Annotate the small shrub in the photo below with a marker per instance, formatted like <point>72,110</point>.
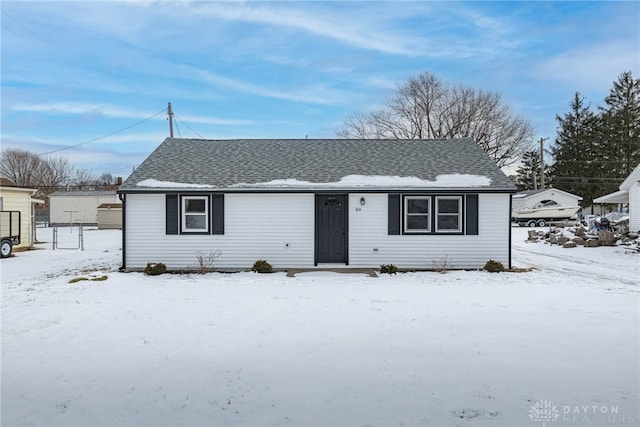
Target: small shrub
<point>494,266</point>
<point>206,261</point>
<point>155,269</point>
<point>262,266</point>
<point>388,269</point>
<point>442,266</point>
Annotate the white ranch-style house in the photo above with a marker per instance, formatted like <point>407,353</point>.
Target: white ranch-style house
<point>314,203</point>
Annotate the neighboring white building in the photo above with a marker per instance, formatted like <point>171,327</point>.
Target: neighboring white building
<point>628,193</point>
<point>78,207</point>
<point>528,199</point>
<point>21,200</point>
<point>418,204</point>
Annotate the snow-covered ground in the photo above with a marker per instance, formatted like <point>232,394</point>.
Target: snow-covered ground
<point>466,348</point>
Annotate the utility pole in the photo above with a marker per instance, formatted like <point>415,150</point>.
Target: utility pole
<point>170,113</point>
<point>542,140</point>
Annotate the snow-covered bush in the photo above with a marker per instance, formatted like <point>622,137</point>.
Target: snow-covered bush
<point>388,269</point>
<point>155,268</point>
<point>494,266</point>
<point>262,266</point>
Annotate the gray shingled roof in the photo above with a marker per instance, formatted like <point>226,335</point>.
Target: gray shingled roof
<point>225,163</point>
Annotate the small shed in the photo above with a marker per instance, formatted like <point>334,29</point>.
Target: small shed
<point>528,199</point>
<point>20,199</point>
<point>110,216</point>
<point>75,207</point>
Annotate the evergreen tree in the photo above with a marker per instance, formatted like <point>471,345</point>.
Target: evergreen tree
<point>528,173</point>
<point>620,128</point>
<point>578,168</point>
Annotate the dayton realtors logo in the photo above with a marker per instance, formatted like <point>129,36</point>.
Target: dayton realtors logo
<point>545,411</point>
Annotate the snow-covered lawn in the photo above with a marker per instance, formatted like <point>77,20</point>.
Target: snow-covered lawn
<point>466,348</point>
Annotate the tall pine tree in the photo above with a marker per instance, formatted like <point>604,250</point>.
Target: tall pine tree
<point>577,167</point>
<point>620,127</point>
<point>528,173</point>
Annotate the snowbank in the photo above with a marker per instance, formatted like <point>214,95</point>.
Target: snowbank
<point>464,348</point>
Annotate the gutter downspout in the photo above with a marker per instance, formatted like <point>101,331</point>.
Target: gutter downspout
<point>123,199</point>
<point>510,228</point>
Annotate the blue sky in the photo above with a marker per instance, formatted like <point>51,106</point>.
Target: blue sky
<point>75,71</point>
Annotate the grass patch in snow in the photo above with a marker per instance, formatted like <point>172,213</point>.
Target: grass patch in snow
<point>91,277</point>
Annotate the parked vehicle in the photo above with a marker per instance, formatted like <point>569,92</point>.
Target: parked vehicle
<point>9,232</point>
<point>545,212</point>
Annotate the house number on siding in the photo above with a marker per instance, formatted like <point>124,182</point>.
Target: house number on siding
<point>358,209</point>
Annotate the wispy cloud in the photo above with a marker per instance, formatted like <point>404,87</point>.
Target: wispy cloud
<point>118,112</point>
<point>331,26</point>
<point>589,67</point>
<point>314,94</point>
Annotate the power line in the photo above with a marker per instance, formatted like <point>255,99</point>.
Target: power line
<point>184,123</point>
<point>104,136</point>
<point>618,162</point>
<point>178,129</point>
<point>14,33</point>
<point>4,12</point>
<point>585,178</point>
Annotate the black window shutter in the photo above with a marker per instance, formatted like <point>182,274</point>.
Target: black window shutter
<point>472,214</point>
<point>394,214</point>
<point>217,210</point>
<point>172,214</point>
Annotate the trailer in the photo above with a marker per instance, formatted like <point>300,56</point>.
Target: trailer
<point>9,232</point>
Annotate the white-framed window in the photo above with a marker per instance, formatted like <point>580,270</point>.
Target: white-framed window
<point>417,214</point>
<point>448,214</point>
<point>195,214</point>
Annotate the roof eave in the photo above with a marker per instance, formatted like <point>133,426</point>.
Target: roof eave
<point>316,190</point>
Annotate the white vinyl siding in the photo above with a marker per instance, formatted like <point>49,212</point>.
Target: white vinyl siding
<point>276,227</point>
<point>371,246</point>
<point>281,229</point>
<point>634,207</point>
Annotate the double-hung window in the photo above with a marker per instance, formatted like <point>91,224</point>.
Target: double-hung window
<point>195,214</point>
<point>432,214</point>
<point>448,214</point>
<point>417,214</point>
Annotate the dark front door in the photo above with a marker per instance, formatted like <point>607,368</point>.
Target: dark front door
<point>331,229</point>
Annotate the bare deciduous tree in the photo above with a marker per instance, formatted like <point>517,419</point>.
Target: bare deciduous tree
<point>83,179</point>
<point>425,107</point>
<point>27,169</point>
<point>19,166</point>
<point>106,179</point>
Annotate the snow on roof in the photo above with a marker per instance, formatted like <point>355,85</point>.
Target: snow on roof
<point>442,181</point>
<point>168,184</point>
<point>452,180</point>
<point>621,196</point>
